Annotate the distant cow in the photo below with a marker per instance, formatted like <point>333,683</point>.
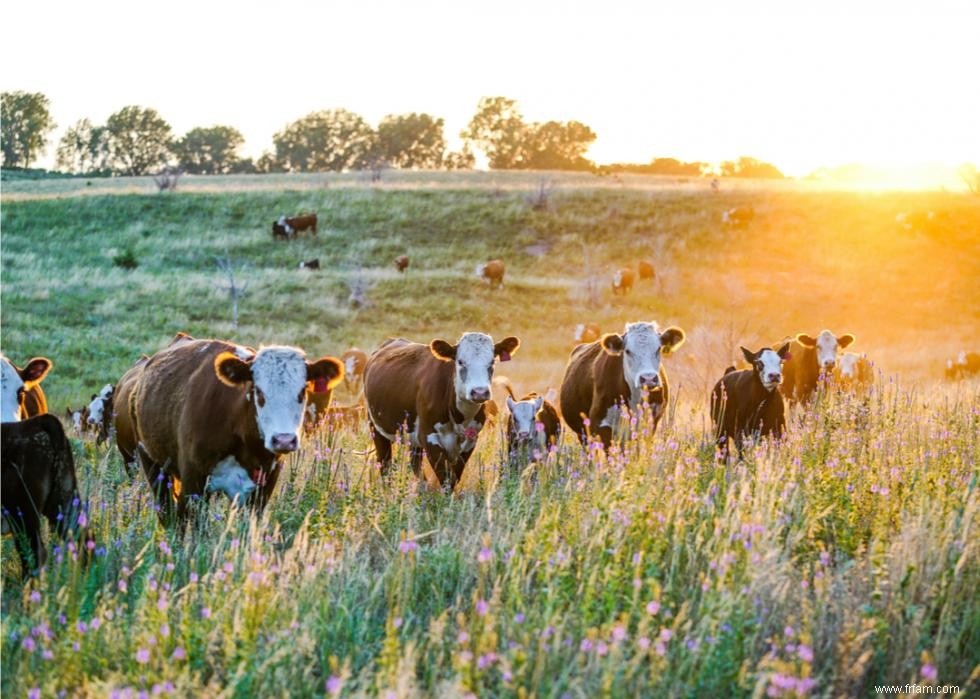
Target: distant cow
<point>533,427</point>
<point>747,403</point>
<point>587,332</point>
<point>493,272</point>
<point>738,216</point>
<point>401,263</point>
<point>623,281</point>
<point>38,480</point>
<point>966,364</point>
<point>21,396</point>
<point>310,264</point>
<point>99,413</point>
<point>617,371</point>
<point>646,269</point>
<point>78,419</point>
<point>438,392</point>
<point>287,227</point>
<point>811,359</point>
<point>217,418</point>
<point>354,361</point>
<point>854,371</point>
<point>319,395</point>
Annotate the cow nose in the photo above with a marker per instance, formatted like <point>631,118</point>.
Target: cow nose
<point>480,394</point>
<point>829,364</point>
<point>650,380</point>
<point>523,435</point>
<point>775,378</point>
<point>284,442</point>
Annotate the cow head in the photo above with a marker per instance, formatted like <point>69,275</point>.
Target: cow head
<point>474,356</point>
<point>641,348</point>
<point>849,366</point>
<point>14,383</point>
<point>768,365</point>
<point>826,345</point>
<point>100,406</point>
<point>524,413</point>
<point>277,379</point>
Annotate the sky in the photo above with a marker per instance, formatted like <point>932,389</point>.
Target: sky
<point>801,85</point>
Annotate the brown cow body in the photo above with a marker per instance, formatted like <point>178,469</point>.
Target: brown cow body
<point>966,364</point>
<point>646,269</point>
<point>811,360</point>
<point>289,227</point>
<point>493,272</point>
<point>623,281</point>
<point>401,263</point>
<point>738,216</point>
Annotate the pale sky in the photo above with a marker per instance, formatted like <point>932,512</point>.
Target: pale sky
<point>801,85</point>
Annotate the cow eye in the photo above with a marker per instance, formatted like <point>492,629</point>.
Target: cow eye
<point>259,397</point>
<point>461,363</point>
<point>629,353</point>
<point>301,396</point>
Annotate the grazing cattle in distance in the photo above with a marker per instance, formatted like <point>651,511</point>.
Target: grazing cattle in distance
<point>646,269</point>
<point>811,358</point>
<point>401,263</point>
<point>354,361</point>
<point>21,396</point>
<point>623,281</point>
<point>587,332</point>
<point>438,392</point>
<point>493,272</point>
<point>738,216</point>
<point>78,419</point>
<point>617,371</point>
<point>217,417</point>
<point>966,364</point>
<point>287,227</point>
<point>99,413</point>
<point>533,427</point>
<point>854,371</point>
<point>747,403</point>
<point>38,479</point>
<point>310,264</point>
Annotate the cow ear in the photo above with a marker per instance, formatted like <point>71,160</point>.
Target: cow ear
<point>326,369</point>
<point>506,347</point>
<point>443,350</point>
<point>845,340</point>
<point>671,339</point>
<point>231,370</point>
<point>612,343</point>
<point>510,404</point>
<point>36,370</point>
<point>748,354</point>
<point>806,340</point>
<point>538,402</point>
<point>783,351</point>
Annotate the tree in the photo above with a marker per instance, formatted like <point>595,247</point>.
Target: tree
<point>209,151</point>
<point>411,140</point>
<point>139,140</point>
<point>25,123</point>
<point>84,149</point>
<point>334,139</point>
<point>497,129</point>
<point>462,159</point>
<point>750,167</point>
<point>557,146</point>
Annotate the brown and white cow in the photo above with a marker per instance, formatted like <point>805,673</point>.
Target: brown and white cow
<point>217,418</point>
<point>738,216</point>
<point>533,427</point>
<point>646,269</point>
<point>587,332</point>
<point>622,282</point>
<point>438,392</point>
<point>401,263</point>
<point>748,402</point>
<point>98,413</point>
<point>493,272</point>
<point>812,358</point>
<point>21,396</point>
<point>854,371</point>
<point>289,227</point>
<point>354,361</point>
<point>311,265</point>
<point>618,371</point>
<point>966,364</point>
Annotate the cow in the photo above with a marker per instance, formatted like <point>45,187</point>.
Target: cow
<point>287,227</point>
<point>99,413</point>
<point>811,359</point>
<point>623,281</point>
<point>738,216</point>
<point>318,398</point>
<point>313,264</point>
<point>747,402</point>
<point>493,272</point>
<point>401,263</point>
<point>354,361</point>
<point>646,269</point>
<point>218,417</point>
<point>78,419</point>
<point>38,480</point>
<point>853,371</point>
<point>21,396</point>
<point>438,392</point>
<point>587,332</point>
<point>533,427</point>
<point>966,364</point>
<point>615,372</point>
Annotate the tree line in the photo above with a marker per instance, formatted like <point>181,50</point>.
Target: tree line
<point>138,141</point>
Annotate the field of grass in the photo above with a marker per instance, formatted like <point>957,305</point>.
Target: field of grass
<point>843,558</point>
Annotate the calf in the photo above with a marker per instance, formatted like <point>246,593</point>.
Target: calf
<point>617,371</point>
<point>623,281</point>
<point>493,272</point>
<point>738,216</point>
<point>310,264</point>
<point>99,413</point>
<point>587,332</point>
<point>646,270</point>
<point>78,419</point>
<point>287,227</point>
<point>401,263</point>
<point>21,396</point>
<point>216,417</point>
<point>746,403</point>
<point>38,480</point>
<point>438,392</point>
<point>354,361</point>
<point>533,427</point>
<point>966,364</point>
<point>854,371</point>
<point>811,359</point>
<point>319,394</point>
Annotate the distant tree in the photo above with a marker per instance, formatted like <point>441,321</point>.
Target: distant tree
<point>750,167</point>
<point>462,159</point>
<point>411,140</point>
<point>209,151</point>
<point>661,166</point>
<point>557,146</point>
<point>334,139</point>
<point>84,149</point>
<point>268,163</point>
<point>498,130</point>
<point>25,123</point>
<point>139,140</point>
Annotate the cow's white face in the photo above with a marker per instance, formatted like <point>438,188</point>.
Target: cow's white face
<point>474,356</point>
<point>642,346</point>
<point>12,387</point>
<point>849,365</point>
<point>769,366</point>
<point>579,332</point>
<point>97,408</point>
<point>525,416</point>
<point>961,358</point>
<point>618,279</point>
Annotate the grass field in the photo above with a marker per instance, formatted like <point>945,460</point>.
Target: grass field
<point>845,557</point>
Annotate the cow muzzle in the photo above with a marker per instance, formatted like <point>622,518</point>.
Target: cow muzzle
<point>284,442</point>
<point>651,381</point>
<point>480,395</point>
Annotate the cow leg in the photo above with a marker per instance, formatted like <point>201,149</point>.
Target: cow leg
<point>28,542</point>
<point>268,484</point>
<point>440,465</point>
<point>382,448</point>
<point>156,478</point>
<point>416,462</point>
<point>191,488</point>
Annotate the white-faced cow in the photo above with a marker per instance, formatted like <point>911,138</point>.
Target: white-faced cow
<point>99,413</point>
<point>811,359</point>
<point>747,403</point>
<point>738,216</point>
<point>619,371</point>
<point>288,227</point>
<point>587,332</point>
<point>623,280</point>
<point>533,427</point>
<point>217,418</point>
<point>854,371</point>
<point>493,272</point>
<point>21,396</point>
<point>401,263</point>
<point>966,364</point>
<point>437,393</point>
